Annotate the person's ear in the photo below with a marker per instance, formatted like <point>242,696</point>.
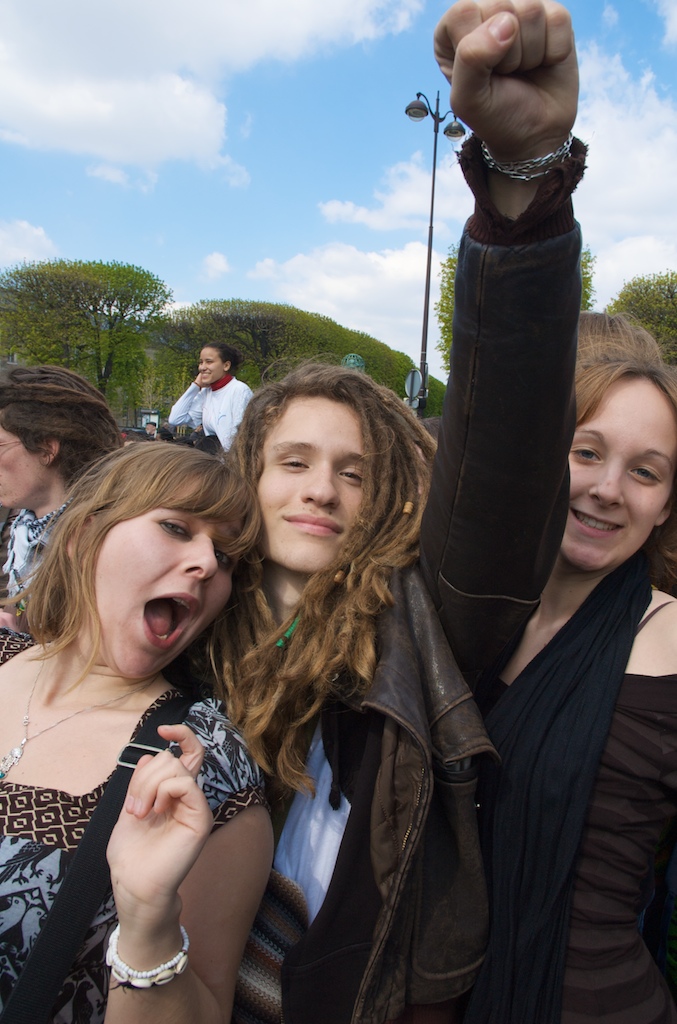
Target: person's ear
<point>50,450</point>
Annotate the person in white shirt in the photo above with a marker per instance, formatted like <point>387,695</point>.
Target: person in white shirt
<point>216,400</point>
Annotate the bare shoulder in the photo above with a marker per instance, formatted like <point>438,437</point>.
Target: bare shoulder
<point>654,652</point>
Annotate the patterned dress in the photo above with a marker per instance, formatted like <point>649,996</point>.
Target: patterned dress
<point>39,831</point>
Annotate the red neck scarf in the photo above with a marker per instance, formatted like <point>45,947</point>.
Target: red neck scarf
<point>221,382</point>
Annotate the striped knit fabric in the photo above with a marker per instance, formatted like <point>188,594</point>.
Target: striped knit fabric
<point>281,921</point>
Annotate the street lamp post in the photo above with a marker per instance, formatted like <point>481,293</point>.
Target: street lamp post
<point>417,110</point>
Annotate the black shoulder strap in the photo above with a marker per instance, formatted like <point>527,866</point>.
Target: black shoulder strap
<point>83,888</point>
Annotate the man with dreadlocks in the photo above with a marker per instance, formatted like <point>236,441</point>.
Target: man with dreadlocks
<point>336,661</point>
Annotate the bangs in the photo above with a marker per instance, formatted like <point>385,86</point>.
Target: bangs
<point>221,496</point>
<point>140,478</point>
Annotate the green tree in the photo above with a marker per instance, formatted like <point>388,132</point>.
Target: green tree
<point>444,307</point>
<point>588,262</point>
<point>97,318</point>
<point>652,301</point>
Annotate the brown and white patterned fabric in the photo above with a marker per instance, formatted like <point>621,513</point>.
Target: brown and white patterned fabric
<point>40,828</point>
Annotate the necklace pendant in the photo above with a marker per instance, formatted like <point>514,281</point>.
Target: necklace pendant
<point>9,760</point>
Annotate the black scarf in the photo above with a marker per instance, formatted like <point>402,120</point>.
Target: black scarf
<point>550,728</point>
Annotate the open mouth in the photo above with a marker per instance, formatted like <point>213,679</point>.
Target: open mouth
<point>165,617</point>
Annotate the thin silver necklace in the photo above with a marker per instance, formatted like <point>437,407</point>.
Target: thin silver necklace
<point>14,756</point>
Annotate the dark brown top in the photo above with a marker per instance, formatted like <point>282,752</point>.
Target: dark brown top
<point>610,974</point>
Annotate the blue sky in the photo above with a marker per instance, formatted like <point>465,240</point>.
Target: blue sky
<point>259,148</point>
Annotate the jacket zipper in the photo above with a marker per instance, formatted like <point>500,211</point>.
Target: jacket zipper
<point>416,803</point>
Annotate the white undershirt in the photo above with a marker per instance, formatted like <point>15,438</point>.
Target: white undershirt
<point>312,833</point>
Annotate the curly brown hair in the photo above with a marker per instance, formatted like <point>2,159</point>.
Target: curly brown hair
<point>274,685</point>
<point>50,403</point>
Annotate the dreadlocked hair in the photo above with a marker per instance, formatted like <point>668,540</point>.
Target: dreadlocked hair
<point>50,403</point>
<point>275,678</point>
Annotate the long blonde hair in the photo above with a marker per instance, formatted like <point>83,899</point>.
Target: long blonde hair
<point>274,684</point>
<point>121,486</point>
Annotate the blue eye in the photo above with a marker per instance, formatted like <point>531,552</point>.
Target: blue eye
<point>645,473</point>
<point>584,453</point>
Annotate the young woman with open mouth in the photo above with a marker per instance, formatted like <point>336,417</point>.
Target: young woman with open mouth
<point>139,567</point>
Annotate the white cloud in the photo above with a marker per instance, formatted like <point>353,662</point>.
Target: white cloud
<point>403,200</point>
<point>106,172</point>
<point>610,16</point>
<point>136,83</point>
<point>145,181</point>
<point>668,10</point>
<point>626,201</point>
<point>246,126</point>
<point>380,293</point>
<point>215,265</point>
<point>143,121</point>
<point>21,241</point>
<point>235,174</point>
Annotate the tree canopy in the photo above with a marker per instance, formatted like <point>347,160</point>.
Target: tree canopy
<point>444,307</point>
<point>96,318</point>
<point>652,300</point>
<point>274,337</point>
<point>110,322</point>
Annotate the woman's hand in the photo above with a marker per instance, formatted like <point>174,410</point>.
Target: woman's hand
<point>160,832</point>
<point>513,73</point>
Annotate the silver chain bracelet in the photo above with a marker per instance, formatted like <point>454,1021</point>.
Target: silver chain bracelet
<point>527,170</point>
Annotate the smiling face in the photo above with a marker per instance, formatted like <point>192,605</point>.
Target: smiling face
<point>160,579</point>
<point>622,465</point>
<point>310,489</point>
<point>211,367</point>
<point>27,480</point>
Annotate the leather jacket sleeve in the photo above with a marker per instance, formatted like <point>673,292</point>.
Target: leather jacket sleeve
<point>499,496</point>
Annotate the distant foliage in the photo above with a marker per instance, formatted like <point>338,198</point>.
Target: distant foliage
<point>444,308</point>
<point>273,338</point>
<point>652,300</point>
<point>109,321</point>
<point>587,278</point>
<point>96,318</point>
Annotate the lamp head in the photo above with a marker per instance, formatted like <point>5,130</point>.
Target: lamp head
<point>417,110</point>
<point>454,130</point>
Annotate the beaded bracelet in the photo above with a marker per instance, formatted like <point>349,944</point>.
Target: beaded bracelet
<point>166,972</point>
<point>527,170</point>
